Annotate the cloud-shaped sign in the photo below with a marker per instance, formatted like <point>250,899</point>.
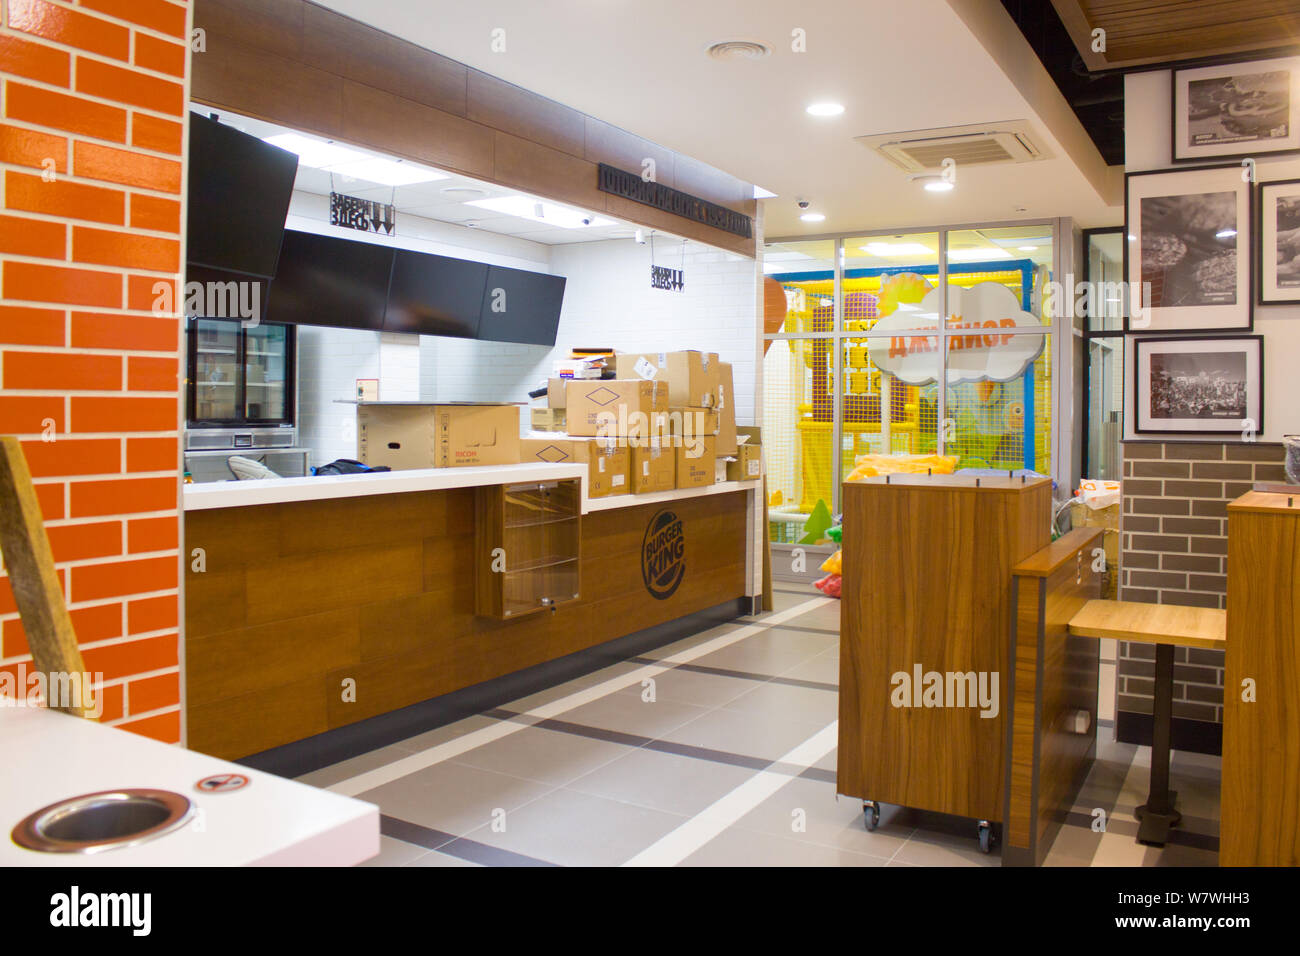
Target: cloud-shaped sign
<point>979,346</point>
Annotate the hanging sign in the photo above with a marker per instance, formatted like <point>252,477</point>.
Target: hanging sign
<point>979,348</point>
<point>649,193</point>
<point>363,214</point>
<point>661,277</point>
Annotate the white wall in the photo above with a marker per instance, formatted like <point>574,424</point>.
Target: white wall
<point>1147,146</point>
<point>329,363</point>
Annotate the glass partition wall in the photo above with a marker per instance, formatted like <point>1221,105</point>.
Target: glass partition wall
<point>862,366</point>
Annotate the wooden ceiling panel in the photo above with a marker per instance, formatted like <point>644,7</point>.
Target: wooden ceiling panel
<point>1143,33</point>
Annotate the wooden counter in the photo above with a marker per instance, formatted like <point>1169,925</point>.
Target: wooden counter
<point>300,597</point>
<point>1260,789</point>
<point>927,582</point>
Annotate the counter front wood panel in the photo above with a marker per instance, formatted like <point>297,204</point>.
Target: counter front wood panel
<point>297,598</point>
<point>1260,788</point>
<point>927,581</point>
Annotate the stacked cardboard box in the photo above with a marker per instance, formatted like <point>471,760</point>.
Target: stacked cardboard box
<point>624,408</point>
<point>608,461</point>
<point>405,435</point>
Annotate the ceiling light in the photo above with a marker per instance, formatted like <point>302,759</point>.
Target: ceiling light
<point>938,186</point>
<point>812,217</point>
<point>886,249</point>
<point>386,172</point>
<point>1026,248</point>
<point>525,207</point>
<point>463,193</point>
<point>978,255</point>
<point>737,50</point>
<point>1225,233</point>
<point>825,109</point>
<point>314,152</point>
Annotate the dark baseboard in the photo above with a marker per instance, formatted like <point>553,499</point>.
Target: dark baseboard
<point>312,753</point>
<point>1191,736</point>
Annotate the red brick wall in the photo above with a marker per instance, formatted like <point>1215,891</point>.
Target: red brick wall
<point>91,136</point>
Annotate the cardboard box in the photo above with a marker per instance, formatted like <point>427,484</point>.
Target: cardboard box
<point>695,462</point>
<point>556,389</point>
<point>627,408</point>
<point>608,463</point>
<point>726,411</point>
<point>692,376</point>
<point>654,467</point>
<point>548,419</point>
<point>748,463</point>
<point>417,435</point>
<point>692,421</point>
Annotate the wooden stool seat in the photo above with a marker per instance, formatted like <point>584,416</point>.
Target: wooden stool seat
<point>1167,626</point>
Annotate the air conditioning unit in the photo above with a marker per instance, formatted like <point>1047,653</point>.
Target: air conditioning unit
<point>924,150</point>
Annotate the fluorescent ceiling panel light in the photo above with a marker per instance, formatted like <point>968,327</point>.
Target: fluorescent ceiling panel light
<point>1027,248</point>
<point>813,217</point>
<point>886,249</point>
<point>314,152</point>
<point>386,172</point>
<point>525,207</point>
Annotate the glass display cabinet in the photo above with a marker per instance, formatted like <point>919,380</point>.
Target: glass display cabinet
<point>528,547</point>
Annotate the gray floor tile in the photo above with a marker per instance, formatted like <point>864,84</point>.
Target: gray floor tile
<point>668,782</point>
<point>547,756</point>
<point>394,853</point>
<point>344,769</point>
<point>692,687</point>
<point>767,735</point>
<point>772,651</point>
<point>441,735</point>
<point>560,691</point>
<point>629,714</point>
<point>825,667</point>
<point>577,829</point>
<point>453,797</point>
<point>797,703</point>
<point>813,806</point>
<point>695,640</point>
<point>742,848</point>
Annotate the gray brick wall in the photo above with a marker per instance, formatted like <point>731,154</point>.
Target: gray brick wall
<point>1174,550</point>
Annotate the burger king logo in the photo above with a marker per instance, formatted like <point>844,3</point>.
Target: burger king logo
<point>663,555</point>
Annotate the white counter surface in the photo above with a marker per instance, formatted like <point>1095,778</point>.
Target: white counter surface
<point>50,756</point>
<point>272,491</point>
<point>269,491</point>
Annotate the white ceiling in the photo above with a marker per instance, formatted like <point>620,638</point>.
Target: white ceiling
<point>895,65</point>
<point>428,199</point>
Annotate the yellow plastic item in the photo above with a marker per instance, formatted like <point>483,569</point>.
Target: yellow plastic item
<point>869,466</point>
<point>832,565</point>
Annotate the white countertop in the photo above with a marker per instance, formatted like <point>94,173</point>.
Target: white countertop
<point>270,491</point>
<point>50,756</point>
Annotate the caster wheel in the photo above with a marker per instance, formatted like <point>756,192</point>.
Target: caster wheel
<point>986,836</point>
<point>871,814</point>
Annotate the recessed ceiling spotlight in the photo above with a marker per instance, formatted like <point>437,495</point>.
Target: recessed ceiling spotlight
<point>738,50</point>
<point>825,109</point>
<point>813,217</point>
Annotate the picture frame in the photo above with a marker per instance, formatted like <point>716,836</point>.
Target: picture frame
<point>1235,110</point>
<point>1277,243</point>
<point>1198,386</point>
<point>1187,254</point>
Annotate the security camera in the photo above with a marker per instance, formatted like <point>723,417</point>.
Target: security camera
<point>804,204</point>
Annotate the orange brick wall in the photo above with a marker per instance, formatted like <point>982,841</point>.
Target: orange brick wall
<point>91,138</point>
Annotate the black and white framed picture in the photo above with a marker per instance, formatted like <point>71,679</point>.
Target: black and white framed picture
<point>1201,386</point>
<point>1187,255</point>
<point>1277,243</point>
<point>1236,109</point>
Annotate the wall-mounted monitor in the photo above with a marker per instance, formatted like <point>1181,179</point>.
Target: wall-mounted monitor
<point>435,295</point>
<point>323,280</point>
<point>239,191</point>
<point>521,306</point>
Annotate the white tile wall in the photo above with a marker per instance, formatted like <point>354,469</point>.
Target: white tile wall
<point>329,363</point>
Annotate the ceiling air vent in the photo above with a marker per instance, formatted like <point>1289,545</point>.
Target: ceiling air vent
<point>738,50</point>
<point>988,143</point>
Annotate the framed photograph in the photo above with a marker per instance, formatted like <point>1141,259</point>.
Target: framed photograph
<point>1187,259</point>
<point>1200,386</point>
<point>1277,243</point>
<point>1236,109</point>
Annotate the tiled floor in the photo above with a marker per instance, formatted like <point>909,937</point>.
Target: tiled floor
<point>717,750</point>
